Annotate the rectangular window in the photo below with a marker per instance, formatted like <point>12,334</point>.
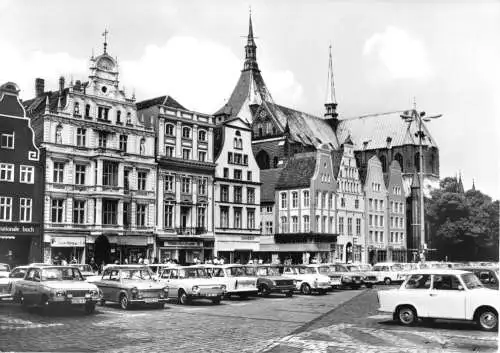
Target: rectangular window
<point>295,224</point>
<point>57,210</point>
<point>238,194</point>
<point>330,201</point>
<point>251,195</point>
<point>250,219</point>
<point>202,186</point>
<point>349,226</point>
<point>142,177</point>
<point>324,224</point>
<point>123,143</point>
<point>237,158</point>
<point>245,159</point>
<point>230,157</point>
<point>283,225</point>
<point>332,224</point>
<point>81,134</point>
<point>400,208</point>
<point>25,206</point>
<point>376,204</point>
<point>370,220</point>
<point>371,236</point>
<point>381,237</point>
<point>186,153</point>
<point>381,221</point>
<point>237,174</point>
<point>358,226</point>
<point>58,172</point>
<point>392,206</point>
<point>109,173</point>
<point>295,199</point>
<point>126,215</point>
<point>201,217</point>
<point>370,204</point>
<point>6,172</point>
<point>202,156</point>
<point>356,204</point>
<point>342,202</point>
<point>109,212</point>
<point>5,208</point>
<point>169,183</point>
<point>169,151</point>
<point>80,174</point>
<point>306,198</point>
<point>323,200</point>
<point>376,221</point>
<point>381,205</point>
<point>7,141</point>
<point>307,226</point>
<point>185,185</point>
<point>103,139</point>
<point>27,174</point>
<point>237,218</point>
<point>126,183</point>
<point>78,211</point>
<point>341,225</point>
<point>224,217</point>
<point>283,200</point>
<point>140,218</point>
<point>249,176</point>
<point>169,216</point>
<point>224,193</point>
<point>226,173</point>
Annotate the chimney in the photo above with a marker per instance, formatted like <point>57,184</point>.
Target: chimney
<point>78,85</point>
<point>39,86</point>
<point>61,85</point>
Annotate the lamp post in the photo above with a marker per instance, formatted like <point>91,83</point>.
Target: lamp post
<point>418,118</point>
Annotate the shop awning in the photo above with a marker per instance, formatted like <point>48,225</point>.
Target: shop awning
<point>295,247</point>
<point>250,245</point>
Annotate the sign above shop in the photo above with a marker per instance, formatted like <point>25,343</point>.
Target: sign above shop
<point>65,242</point>
<point>17,228</point>
<point>183,243</point>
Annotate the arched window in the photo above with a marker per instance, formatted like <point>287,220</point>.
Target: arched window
<point>202,135</point>
<point>76,108</point>
<point>118,116</point>
<point>129,118</point>
<point>399,159</point>
<point>142,146</point>
<point>417,162</point>
<point>87,110</point>
<point>169,130</point>
<point>383,161</point>
<point>263,160</point>
<point>59,129</point>
<point>186,132</point>
<point>238,133</point>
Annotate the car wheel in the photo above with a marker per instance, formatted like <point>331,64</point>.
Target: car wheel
<point>406,315</point>
<point>216,301</point>
<point>89,308</point>
<point>488,320</point>
<point>387,281</point>
<point>305,289</point>
<point>264,290</point>
<point>289,294</point>
<point>124,303</point>
<point>183,298</point>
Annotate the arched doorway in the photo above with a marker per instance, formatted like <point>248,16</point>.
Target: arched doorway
<point>263,160</point>
<point>348,253</point>
<point>102,250</point>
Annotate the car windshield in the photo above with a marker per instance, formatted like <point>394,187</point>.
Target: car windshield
<point>306,270</point>
<point>342,268</point>
<point>235,271</point>
<point>324,269</point>
<point>4,267</point>
<point>192,273</point>
<point>133,274</point>
<point>397,267</point>
<point>61,274</point>
<point>250,271</point>
<point>378,268</point>
<point>354,268</point>
<point>471,281</point>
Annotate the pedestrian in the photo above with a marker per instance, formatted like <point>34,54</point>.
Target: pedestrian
<point>64,262</point>
<point>125,261</point>
<point>93,265</point>
<point>74,261</point>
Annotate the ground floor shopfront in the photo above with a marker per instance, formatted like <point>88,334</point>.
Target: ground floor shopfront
<point>237,248</point>
<point>20,243</point>
<point>389,254</point>
<point>184,250</point>
<point>296,252</point>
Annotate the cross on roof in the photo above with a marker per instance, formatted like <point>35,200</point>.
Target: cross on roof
<point>105,35</point>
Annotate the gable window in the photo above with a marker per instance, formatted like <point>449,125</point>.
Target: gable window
<point>7,141</point>
<point>226,172</point>
<point>123,143</point>
<point>249,176</point>
<point>186,132</point>
<point>25,209</point>
<point>5,208</point>
<point>81,136</point>
<point>237,174</point>
<point>102,113</point>
<point>58,176</point>
<point>169,130</point>
<point>118,116</point>
<point>6,172</point>
<point>76,109</point>
<point>202,135</point>
<point>79,174</point>
<point>26,174</point>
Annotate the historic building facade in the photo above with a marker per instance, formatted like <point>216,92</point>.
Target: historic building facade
<point>21,183</point>
<point>185,183</point>
<point>100,170</point>
<point>237,192</point>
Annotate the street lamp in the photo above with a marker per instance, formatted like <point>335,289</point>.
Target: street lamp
<point>418,118</point>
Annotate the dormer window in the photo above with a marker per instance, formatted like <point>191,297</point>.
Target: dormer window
<point>238,143</point>
<point>186,132</point>
<point>76,109</point>
<point>59,134</point>
<point>169,130</point>
<point>129,118</point>
<point>202,135</point>
<point>142,146</point>
<point>118,116</point>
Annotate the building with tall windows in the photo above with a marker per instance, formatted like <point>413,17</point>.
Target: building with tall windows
<point>100,169</point>
<point>185,180</point>
<point>237,192</point>
<point>21,183</point>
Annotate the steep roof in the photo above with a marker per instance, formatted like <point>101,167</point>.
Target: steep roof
<point>376,128</point>
<point>304,128</point>
<point>298,171</point>
<point>37,105</point>
<point>269,179</point>
<point>336,161</point>
<point>163,100</point>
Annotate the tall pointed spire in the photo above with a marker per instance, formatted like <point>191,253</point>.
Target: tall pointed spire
<point>331,100</point>
<point>250,49</point>
<point>473,185</point>
<point>460,186</point>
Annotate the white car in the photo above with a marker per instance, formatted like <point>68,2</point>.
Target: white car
<point>234,277</point>
<point>8,284</point>
<point>442,294</point>
<point>326,270</point>
<point>307,279</point>
<point>387,272</point>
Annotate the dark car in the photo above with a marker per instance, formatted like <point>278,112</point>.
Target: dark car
<point>487,275</point>
<point>270,280</point>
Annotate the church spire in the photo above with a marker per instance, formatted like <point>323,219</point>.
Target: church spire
<point>250,49</point>
<point>473,185</point>
<point>460,186</point>
<point>331,101</point>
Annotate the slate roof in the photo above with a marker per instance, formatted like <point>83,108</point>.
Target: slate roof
<point>37,105</point>
<point>336,160</point>
<point>269,179</point>
<point>376,128</point>
<point>163,100</point>
<point>304,128</point>
<point>298,171</point>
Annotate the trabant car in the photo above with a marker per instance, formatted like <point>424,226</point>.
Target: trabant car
<point>387,272</point>
<point>353,280</point>
<point>129,285</point>
<point>487,275</point>
<point>49,286</point>
<point>362,269</point>
<point>307,279</point>
<point>187,283</point>
<point>234,277</point>
<point>442,294</point>
<point>270,280</point>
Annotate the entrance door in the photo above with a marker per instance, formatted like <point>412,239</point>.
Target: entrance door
<point>102,250</point>
<point>182,256</point>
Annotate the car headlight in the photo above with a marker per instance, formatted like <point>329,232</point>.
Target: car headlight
<point>195,289</point>
<point>60,293</point>
<point>273,283</point>
<point>165,290</point>
<point>94,293</point>
<point>347,278</point>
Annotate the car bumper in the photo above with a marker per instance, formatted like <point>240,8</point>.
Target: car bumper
<point>321,287</point>
<point>250,291</point>
<point>206,295</point>
<point>73,301</point>
<point>282,289</point>
<point>148,301</point>
<point>6,297</point>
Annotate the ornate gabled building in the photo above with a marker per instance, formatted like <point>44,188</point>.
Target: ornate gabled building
<point>186,171</point>
<point>100,169</point>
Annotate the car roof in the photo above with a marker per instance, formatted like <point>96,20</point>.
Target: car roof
<point>438,271</point>
<point>123,267</point>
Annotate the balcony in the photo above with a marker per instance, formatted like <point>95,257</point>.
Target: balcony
<point>191,231</point>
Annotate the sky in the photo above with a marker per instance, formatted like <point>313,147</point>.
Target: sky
<point>443,55</point>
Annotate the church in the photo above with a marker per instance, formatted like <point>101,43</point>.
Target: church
<point>386,141</point>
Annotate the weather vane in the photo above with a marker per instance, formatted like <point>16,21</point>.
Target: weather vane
<point>105,35</point>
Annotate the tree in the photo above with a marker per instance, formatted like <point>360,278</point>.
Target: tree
<point>463,226</point>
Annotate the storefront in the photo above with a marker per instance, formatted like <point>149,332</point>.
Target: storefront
<point>237,248</point>
<point>64,247</point>
<point>296,253</point>
<point>398,255</point>
<point>20,243</point>
<point>183,251</point>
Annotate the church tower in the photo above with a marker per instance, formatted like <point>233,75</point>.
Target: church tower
<point>331,101</point>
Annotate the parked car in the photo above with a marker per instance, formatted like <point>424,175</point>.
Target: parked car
<point>234,277</point>
<point>157,269</point>
<point>270,280</point>
<point>4,270</point>
<point>8,284</point>
<point>85,270</point>
<point>129,285</point>
<point>353,280</point>
<point>327,270</point>
<point>487,275</point>
<point>307,279</point>
<point>387,272</point>
<point>442,294</point>
<point>48,286</point>
<point>190,283</point>
<point>363,269</point>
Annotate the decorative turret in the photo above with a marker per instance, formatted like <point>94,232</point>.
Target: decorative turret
<point>331,101</point>
<point>460,185</point>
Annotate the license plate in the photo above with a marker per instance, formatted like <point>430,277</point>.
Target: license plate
<point>78,301</point>
<point>211,295</point>
<point>151,300</point>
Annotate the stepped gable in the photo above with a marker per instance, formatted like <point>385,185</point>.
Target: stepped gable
<point>269,178</point>
<point>376,128</point>
<point>298,171</point>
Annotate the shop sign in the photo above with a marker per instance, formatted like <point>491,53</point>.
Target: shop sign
<point>65,242</point>
<point>183,243</point>
<point>248,237</point>
<point>17,229</point>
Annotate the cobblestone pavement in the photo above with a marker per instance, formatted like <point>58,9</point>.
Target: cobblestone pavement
<point>356,326</point>
<point>234,325</point>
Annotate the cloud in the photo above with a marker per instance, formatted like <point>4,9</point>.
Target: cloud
<point>284,87</point>
<point>401,55</point>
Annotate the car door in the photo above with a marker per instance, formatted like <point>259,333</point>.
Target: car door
<point>447,298</point>
<point>416,292</point>
<point>173,283</point>
<point>26,285</point>
<point>105,285</point>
